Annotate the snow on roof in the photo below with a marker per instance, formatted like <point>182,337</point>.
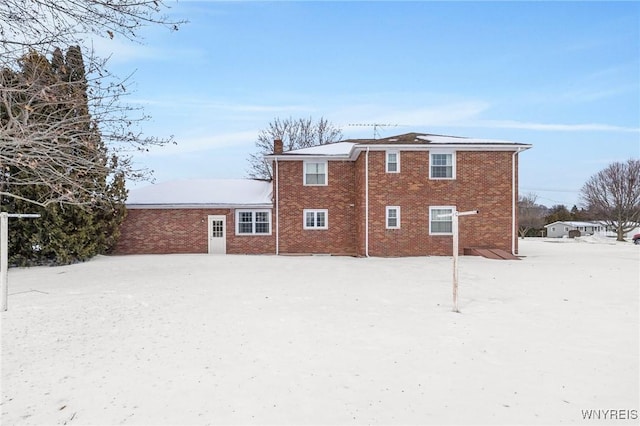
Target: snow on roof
<point>219,192</point>
<point>574,223</point>
<point>459,140</point>
<point>346,147</point>
<point>336,148</point>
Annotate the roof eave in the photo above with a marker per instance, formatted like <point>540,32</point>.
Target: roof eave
<point>298,157</point>
<point>517,147</point>
<point>358,148</point>
<point>173,206</point>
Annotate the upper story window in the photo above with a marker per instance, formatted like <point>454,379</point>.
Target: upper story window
<point>253,222</point>
<point>315,219</point>
<point>393,217</point>
<point>315,172</point>
<point>442,165</point>
<point>441,220</point>
<point>393,162</point>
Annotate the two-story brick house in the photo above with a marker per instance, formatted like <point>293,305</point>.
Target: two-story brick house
<point>389,197</point>
<point>363,197</point>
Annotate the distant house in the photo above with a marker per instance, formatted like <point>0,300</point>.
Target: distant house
<point>561,229</point>
<point>364,197</point>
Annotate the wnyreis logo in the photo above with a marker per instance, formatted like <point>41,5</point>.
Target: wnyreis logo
<point>609,414</point>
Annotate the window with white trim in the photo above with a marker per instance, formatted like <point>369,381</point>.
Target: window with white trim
<point>315,172</point>
<point>442,165</point>
<point>439,222</point>
<point>393,217</point>
<point>253,222</point>
<point>315,219</point>
<point>393,161</point>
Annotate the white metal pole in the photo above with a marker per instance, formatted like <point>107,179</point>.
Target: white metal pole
<point>455,233</point>
<point>454,226</point>
<point>4,258</point>
<point>4,253</point>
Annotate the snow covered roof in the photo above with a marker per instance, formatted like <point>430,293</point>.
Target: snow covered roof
<point>427,138</point>
<point>336,148</point>
<point>411,141</point>
<point>573,223</point>
<point>202,193</point>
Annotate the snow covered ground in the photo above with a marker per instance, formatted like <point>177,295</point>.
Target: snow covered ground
<point>198,339</point>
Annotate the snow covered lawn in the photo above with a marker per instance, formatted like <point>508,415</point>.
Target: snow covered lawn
<point>198,339</point>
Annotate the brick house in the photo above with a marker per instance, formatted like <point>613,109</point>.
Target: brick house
<point>363,197</point>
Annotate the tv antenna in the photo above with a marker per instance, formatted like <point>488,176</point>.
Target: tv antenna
<point>376,127</point>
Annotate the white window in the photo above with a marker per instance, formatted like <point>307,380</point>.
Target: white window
<point>393,162</point>
<point>253,222</point>
<point>315,219</point>
<point>439,222</point>
<point>315,173</point>
<point>393,217</point>
<point>442,165</point>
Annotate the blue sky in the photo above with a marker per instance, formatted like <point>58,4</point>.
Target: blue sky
<point>563,76</point>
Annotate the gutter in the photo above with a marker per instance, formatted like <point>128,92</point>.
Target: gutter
<point>366,204</point>
<point>173,206</point>
<point>277,209</point>
<point>514,201</point>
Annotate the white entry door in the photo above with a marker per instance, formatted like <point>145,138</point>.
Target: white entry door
<point>217,234</point>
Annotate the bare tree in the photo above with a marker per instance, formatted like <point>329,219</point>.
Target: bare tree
<point>33,24</point>
<point>613,195</point>
<point>295,134</point>
<point>40,128</point>
<point>530,214</point>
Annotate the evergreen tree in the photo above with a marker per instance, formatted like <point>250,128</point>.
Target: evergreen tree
<point>65,233</point>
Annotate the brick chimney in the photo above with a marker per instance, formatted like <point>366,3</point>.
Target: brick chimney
<point>277,146</point>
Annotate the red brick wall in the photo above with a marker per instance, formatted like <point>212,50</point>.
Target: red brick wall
<point>161,231</point>
<point>337,197</point>
<point>483,182</point>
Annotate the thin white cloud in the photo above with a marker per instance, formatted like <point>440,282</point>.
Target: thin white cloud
<point>187,104</point>
<point>591,95</point>
<point>435,115</point>
<point>204,140</point>
<point>555,127</point>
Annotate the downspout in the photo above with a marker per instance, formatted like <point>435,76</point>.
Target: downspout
<point>277,209</point>
<point>514,202</point>
<point>366,204</point>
